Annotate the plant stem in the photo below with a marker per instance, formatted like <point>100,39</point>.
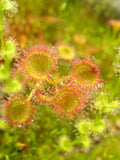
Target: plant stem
<point>38,84</point>
<point>7,61</point>
<point>59,80</point>
<point>1,25</point>
<point>33,91</point>
<point>45,98</point>
<point>7,66</point>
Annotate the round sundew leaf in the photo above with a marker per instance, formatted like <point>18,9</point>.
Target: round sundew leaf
<point>9,50</point>
<point>85,73</point>
<point>84,140</point>
<point>84,127</point>
<point>67,101</point>
<point>99,126</point>
<point>66,52</point>
<point>65,143</point>
<point>18,110</point>
<point>38,63</point>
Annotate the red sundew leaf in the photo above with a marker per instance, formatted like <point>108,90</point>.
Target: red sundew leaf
<point>69,100</point>
<point>39,61</point>
<point>18,111</point>
<point>86,73</point>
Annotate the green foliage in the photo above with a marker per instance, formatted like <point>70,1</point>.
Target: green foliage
<point>3,125</point>
<point>106,105</point>
<point>84,127</point>
<point>65,144</point>
<point>8,52</point>
<point>47,138</point>
<point>4,75</point>
<point>7,5</point>
<point>98,126</point>
<point>12,87</point>
<point>84,140</point>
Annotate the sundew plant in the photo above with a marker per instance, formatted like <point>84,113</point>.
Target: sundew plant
<point>57,105</point>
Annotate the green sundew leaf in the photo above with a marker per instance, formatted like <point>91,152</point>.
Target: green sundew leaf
<point>9,50</point>
<point>101,104</point>
<point>99,126</point>
<point>3,73</point>
<point>12,87</point>
<point>7,5</point>
<point>84,141</point>
<point>84,127</point>
<point>106,105</point>
<point>65,143</point>
<point>112,106</point>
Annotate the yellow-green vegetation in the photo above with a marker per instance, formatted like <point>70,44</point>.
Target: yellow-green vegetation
<point>66,85</point>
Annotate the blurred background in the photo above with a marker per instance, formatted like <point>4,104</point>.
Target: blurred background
<point>83,24</point>
<point>92,28</point>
